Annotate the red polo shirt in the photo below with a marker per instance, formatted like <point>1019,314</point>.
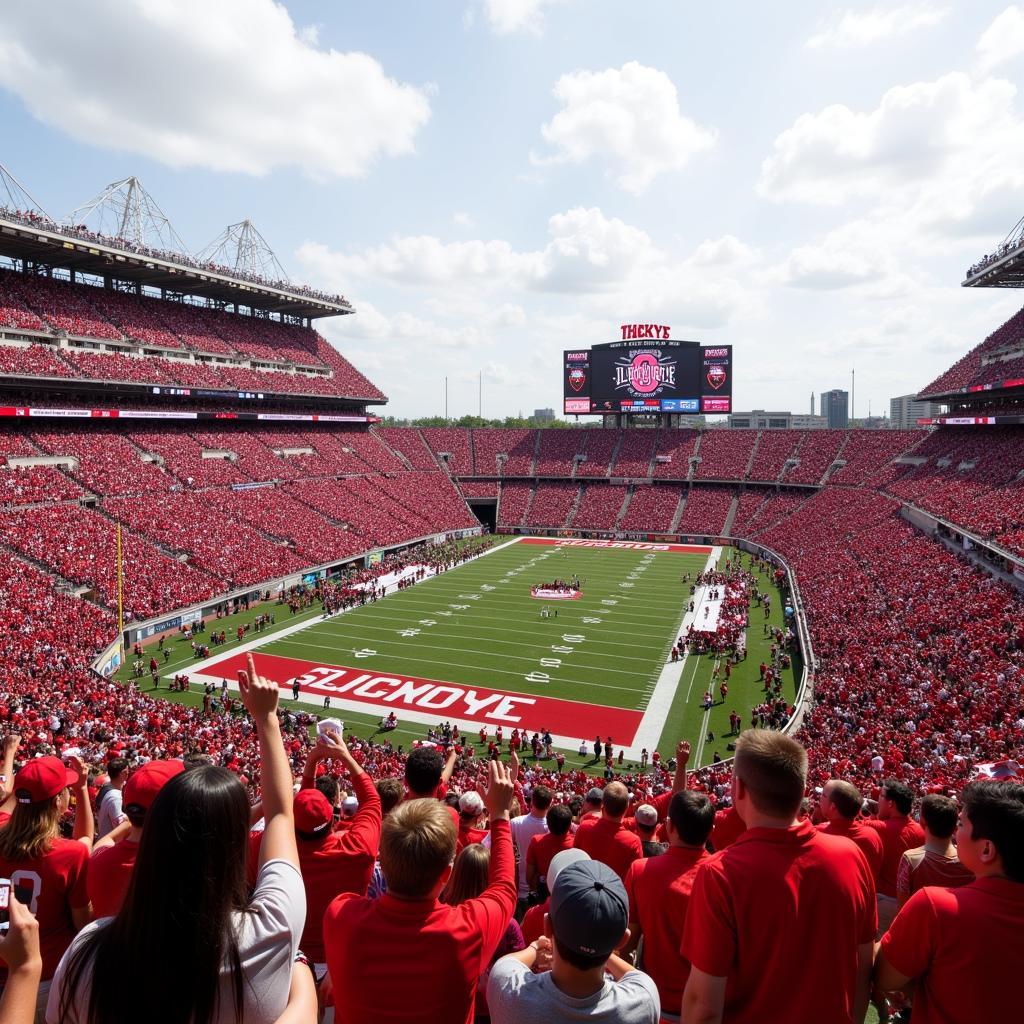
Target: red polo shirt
<point>110,871</point>
<point>393,959</point>
<point>543,847</point>
<point>339,862</point>
<point>608,841</point>
<point>728,827</point>
<point>867,840</point>
<point>965,947</point>
<point>659,894</point>
<point>899,834</point>
<point>779,904</point>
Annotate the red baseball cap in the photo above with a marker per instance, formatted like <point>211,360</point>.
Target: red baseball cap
<point>313,813</point>
<point>41,779</point>
<point>143,785</point>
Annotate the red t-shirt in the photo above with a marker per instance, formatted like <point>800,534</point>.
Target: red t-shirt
<point>607,841</point>
<point>543,847</point>
<point>659,894</point>
<point>533,922</point>
<point>965,946</point>
<point>51,885</point>
<point>728,827</point>
<point>780,904</point>
<point>468,836</point>
<point>340,862</point>
<point>867,840</point>
<point>899,834</point>
<point>390,957</point>
<point>110,871</point>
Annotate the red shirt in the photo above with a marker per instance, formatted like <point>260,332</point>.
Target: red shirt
<point>543,847</point>
<point>606,840</point>
<point>899,834</point>
<point>110,871</point>
<point>728,827</point>
<point>965,946</point>
<point>51,885</point>
<point>659,894</point>
<point>339,862</point>
<point>390,957</point>
<point>533,922</point>
<point>468,836</point>
<point>779,904</point>
<point>867,840</point>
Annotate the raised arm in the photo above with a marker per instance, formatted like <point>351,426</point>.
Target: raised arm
<point>682,760</point>
<point>11,743</point>
<point>449,766</point>
<point>19,949</point>
<point>260,697</point>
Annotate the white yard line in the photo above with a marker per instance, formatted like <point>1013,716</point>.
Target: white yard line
<point>664,693</point>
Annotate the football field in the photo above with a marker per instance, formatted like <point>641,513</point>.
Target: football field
<point>472,646</point>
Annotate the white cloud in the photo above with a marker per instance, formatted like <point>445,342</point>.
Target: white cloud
<point>629,116</point>
<point>727,251</point>
<point>864,27</point>
<point>940,151</point>
<point>230,86</point>
<point>508,16</point>
<point>463,219</point>
<point>1002,40</point>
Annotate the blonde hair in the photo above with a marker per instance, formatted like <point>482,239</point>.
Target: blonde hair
<point>615,799</point>
<point>774,768</point>
<point>31,831</point>
<point>417,843</point>
<point>469,876</point>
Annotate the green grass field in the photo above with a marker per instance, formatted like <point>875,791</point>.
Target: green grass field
<point>478,626</point>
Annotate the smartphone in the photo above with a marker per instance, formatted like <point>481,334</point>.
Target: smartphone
<point>331,725</point>
<point>5,904</point>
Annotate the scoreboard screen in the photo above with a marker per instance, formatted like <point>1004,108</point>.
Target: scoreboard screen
<point>648,376</point>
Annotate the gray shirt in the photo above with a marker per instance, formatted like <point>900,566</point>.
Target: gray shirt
<point>110,814</point>
<point>516,994</point>
<point>268,937</point>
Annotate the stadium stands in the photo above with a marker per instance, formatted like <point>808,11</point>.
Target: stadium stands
<point>706,510</point>
<point>817,450</point>
<point>599,507</point>
<point>774,447</point>
<point>600,447</point>
<point>724,454</point>
<point>454,442</point>
<point>513,502</point>
<point>552,503</point>
<point>652,508</point>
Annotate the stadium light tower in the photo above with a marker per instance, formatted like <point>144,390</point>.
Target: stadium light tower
<point>241,247</point>
<point>15,196</point>
<point>124,209</point>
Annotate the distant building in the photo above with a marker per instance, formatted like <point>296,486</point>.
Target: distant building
<point>905,411</point>
<point>543,415</point>
<point>835,407</point>
<point>760,419</point>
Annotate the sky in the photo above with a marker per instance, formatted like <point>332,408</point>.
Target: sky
<point>493,181</point>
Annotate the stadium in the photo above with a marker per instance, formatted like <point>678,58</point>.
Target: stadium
<point>196,484</point>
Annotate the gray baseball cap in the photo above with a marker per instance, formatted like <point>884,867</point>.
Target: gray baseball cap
<point>589,908</point>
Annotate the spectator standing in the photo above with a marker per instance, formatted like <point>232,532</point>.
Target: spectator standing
<point>659,894</point>
<point>109,814</point>
<point>113,857</point>
<point>963,948</point>
<point>48,873</point>
<point>935,863</point>
<point>586,922</point>
<point>186,914</point>
<point>899,833</point>
<point>406,953</point>
<point>646,827</point>
<point>782,898</point>
<point>524,828</point>
<point>471,810</point>
<point>840,804</point>
<point>605,838</point>
<point>545,845</point>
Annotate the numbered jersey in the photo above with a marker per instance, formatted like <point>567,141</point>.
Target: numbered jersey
<point>50,886</point>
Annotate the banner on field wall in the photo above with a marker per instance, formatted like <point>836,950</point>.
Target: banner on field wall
<point>374,558</point>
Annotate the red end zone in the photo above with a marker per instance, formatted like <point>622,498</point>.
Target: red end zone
<point>440,700</point>
<point>618,545</point>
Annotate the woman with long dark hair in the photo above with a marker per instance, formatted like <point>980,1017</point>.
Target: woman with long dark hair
<point>187,946</point>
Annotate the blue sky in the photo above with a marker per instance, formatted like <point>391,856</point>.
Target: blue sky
<point>491,181</point>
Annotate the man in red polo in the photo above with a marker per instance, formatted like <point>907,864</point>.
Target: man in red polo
<point>545,845</point>
<point>659,894</point>
<point>113,858</point>
<point>899,833</point>
<point>605,838</point>
<point>840,805</point>
<point>406,955</point>
<point>782,898</point>
<point>962,949</point>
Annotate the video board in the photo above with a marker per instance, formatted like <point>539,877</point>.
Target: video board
<point>642,375</point>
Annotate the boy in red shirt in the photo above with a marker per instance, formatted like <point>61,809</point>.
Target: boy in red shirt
<point>545,845</point>
<point>783,898</point>
<point>406,955</point>
<point>963,948</point>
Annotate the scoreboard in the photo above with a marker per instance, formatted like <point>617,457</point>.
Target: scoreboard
<point>648,374</point>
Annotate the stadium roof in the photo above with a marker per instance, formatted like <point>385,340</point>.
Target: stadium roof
<point>27,237</point>
<point>1003,268</point>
